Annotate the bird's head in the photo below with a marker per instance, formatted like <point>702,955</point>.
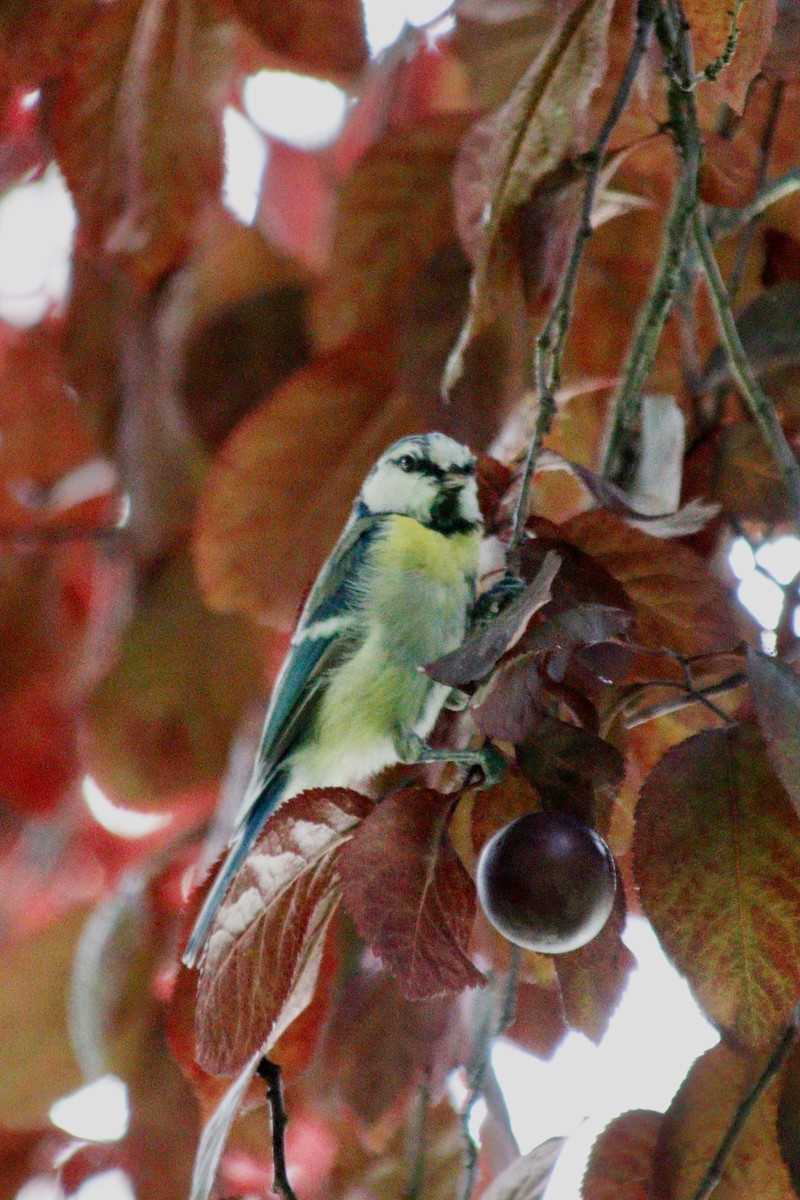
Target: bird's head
<point>429,477</point>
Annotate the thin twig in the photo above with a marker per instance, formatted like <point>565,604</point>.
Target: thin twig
<point>760,406</point>
<point>270,1072</point>
<point>489,1028</point>
<point>776,1060</point>
<point>689,696</point>
<point>683,122</point>
<point>415,1188</point>
<point>724,224</point>
<point>765,149</point>
<point>551,340</point>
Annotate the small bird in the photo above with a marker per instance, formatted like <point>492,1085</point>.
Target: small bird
<point>396,593</point>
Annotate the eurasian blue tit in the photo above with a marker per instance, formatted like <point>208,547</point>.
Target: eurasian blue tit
<point>396,593</point>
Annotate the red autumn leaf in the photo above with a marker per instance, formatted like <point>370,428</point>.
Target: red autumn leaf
<point>296,202</point>
<point>567,764</point>
<point>493,807</point>
<point>394,212</point>
<point>717,860</point>
<point>621,1163</point>
<point>539,1024</point>
<point>39,759</point>
<point>411,899</point>
<point>378,1047</point>
<point>265,946</point>
<point>699,1118</point>
<point>25,1154</point>
<point>38,37</point>
<point>237,325</point>
<point>593,978</point>
<point>729,171</point>
<point>319,37</point>
<point>137,128</point>
<point>677,601</point>
<point>508,707</point>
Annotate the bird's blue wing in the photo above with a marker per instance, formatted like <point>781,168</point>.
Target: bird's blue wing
<point>326,631</point>
<point>320,639</point>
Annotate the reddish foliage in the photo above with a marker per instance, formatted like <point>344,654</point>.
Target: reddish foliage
<point>186,432</point>
<point>410,897</point>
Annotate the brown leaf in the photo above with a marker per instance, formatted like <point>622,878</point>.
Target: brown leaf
<point>746,480</point>
<point>265,945</point>
<point>717,860</point>
<point>394,212</point>
<point>776,693</point>
<point>728,174</point>
<point>698,1120</point>
<point>38,37</point>
<point>783,57</point>
<point>137,128</point>
<point>621,1162</point>
<point>162,720</point>
<point>677,602</point>
<point>37,1064</point>
<point>319,38</point>
<point>593,978</point>
<point>566,763</point>
<point>378,1046</point>
<point>44,435</point>
<point>689,519</point>
<point>269,513</point>
<point>236,325</point>
<point>508,154</point>
<point>497,44</point>
<point>410,897</point>
<point>508,706</point>
<point>539,1024</point>
<point>484,647</point>
<point>768,327</point>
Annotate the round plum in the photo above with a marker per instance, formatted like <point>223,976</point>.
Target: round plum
<point>547,882</point>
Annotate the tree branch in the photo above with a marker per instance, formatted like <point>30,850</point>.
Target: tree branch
<point>761,408</point>
<point>683,122</point>
<point>724,224</point>
<point>491,1026</point>
<point>270,1072</point>
<point>415,1188</point>
<point>550,342</point>
<point>776,1060</point>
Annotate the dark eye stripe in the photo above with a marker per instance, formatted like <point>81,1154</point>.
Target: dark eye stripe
<point>424,466</point>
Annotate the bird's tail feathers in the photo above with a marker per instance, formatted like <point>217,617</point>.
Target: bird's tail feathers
<point>240,846</point>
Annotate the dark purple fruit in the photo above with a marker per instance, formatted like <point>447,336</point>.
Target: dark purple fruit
<point>547,882</point>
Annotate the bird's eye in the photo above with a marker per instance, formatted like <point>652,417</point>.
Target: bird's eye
<point>405,462</point>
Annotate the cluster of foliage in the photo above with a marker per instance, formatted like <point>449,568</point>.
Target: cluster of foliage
<point>546,209</point>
